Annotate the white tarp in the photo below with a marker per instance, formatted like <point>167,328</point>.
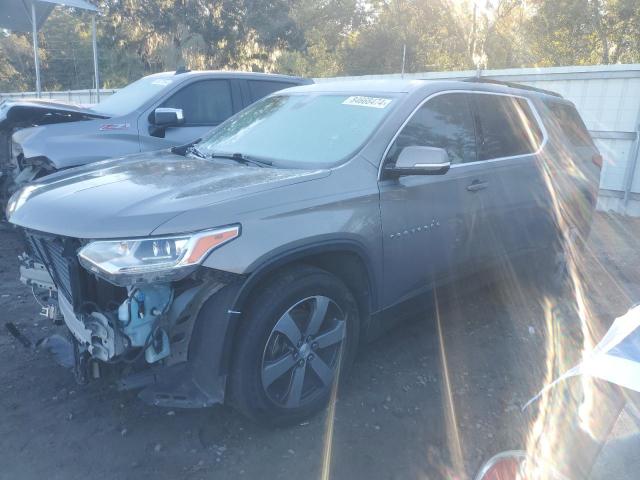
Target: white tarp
<point>616,358</point>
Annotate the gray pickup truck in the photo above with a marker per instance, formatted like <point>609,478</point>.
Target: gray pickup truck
<point>248,267</point>
<point>154,112</point>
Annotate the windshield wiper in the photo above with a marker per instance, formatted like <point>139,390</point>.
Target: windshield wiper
<point>241,158</point>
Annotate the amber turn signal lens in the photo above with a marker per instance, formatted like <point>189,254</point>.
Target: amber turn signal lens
<point>207,243</point>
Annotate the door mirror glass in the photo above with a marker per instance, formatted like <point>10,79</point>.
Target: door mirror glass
<point>417,160</point>
<point>168,117</point>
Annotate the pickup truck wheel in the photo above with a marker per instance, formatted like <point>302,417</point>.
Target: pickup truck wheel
<point>298,338</point>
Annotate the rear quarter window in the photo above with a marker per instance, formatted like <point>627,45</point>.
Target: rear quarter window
<point>571,125</point>
<point>507,127</point>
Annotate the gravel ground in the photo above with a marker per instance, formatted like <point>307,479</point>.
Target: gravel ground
<point>401,414</point>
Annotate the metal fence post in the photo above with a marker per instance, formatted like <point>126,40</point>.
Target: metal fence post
<point>632,162</point>
<point>630,171</point>
<point>95,56</point>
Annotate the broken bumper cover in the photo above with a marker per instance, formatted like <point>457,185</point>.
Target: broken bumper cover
<point>170,338</point>
<point>194,374</point>
<point>200,379</point>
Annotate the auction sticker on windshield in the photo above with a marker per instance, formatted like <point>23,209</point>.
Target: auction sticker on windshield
<point>372,102</point>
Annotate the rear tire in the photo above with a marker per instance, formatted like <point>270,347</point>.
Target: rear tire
<point>554,276</point>
<point>300,332</point>
<point>559,271</point>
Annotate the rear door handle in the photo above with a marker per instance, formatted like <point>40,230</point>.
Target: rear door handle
<point>477,185</point>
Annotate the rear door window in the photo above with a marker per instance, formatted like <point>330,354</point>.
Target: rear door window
<point>571,125</point>
<point>506,127</point>
<point>445,122</point>
<point>207,102</point>
<point>262,88</point>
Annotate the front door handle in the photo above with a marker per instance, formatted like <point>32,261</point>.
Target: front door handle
<point>477,185</point>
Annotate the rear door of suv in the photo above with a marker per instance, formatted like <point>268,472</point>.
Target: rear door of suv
<point>509,137</point>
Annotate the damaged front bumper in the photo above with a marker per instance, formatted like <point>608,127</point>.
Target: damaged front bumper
<point>168,339</point>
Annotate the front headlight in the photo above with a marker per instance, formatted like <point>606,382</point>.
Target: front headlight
<point>125,262</point>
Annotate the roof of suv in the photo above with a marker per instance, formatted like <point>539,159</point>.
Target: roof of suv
<point>408,86</point>
<point>379,86</point>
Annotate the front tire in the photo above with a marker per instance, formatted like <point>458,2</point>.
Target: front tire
<point>298,337</point>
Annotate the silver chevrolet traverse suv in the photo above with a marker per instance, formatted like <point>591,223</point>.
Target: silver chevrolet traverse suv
<point>248,267</point>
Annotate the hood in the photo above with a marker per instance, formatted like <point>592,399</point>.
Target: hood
<point>70,144</point>
<point>132,196</point>
<point>24,113</point>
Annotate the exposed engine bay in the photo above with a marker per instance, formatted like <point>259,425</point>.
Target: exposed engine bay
<point>135,324</point>
<point>125,333</point>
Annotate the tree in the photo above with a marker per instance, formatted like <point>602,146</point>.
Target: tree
<point>432,33</point>
<point>16,62</point>
<point>324,32</point>
<point>576,32</point>
<point>494,39</point>
<point>199,34</point>
<point>66,54</point>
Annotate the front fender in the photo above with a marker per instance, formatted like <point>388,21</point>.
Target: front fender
<point>297,251</point>
<point>201,380</point>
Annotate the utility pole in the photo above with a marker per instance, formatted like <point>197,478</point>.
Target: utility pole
<point>95,56</point>
<point>35,47</point>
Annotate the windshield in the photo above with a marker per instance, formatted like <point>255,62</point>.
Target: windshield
<point>300,130</point>
<point>132,96</point>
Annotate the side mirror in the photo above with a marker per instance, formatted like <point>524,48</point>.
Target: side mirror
<point>168,117</point>
<point>420,161</point>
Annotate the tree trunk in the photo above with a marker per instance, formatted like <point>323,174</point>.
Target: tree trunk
<point>602,34</point>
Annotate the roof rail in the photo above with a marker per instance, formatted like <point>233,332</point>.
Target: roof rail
<point>511,84</point>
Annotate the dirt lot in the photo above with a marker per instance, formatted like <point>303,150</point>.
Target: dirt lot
<point>390,420</point>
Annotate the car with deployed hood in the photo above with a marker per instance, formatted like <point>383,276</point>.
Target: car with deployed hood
<point>39,137</point>
<point>248,267</point>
